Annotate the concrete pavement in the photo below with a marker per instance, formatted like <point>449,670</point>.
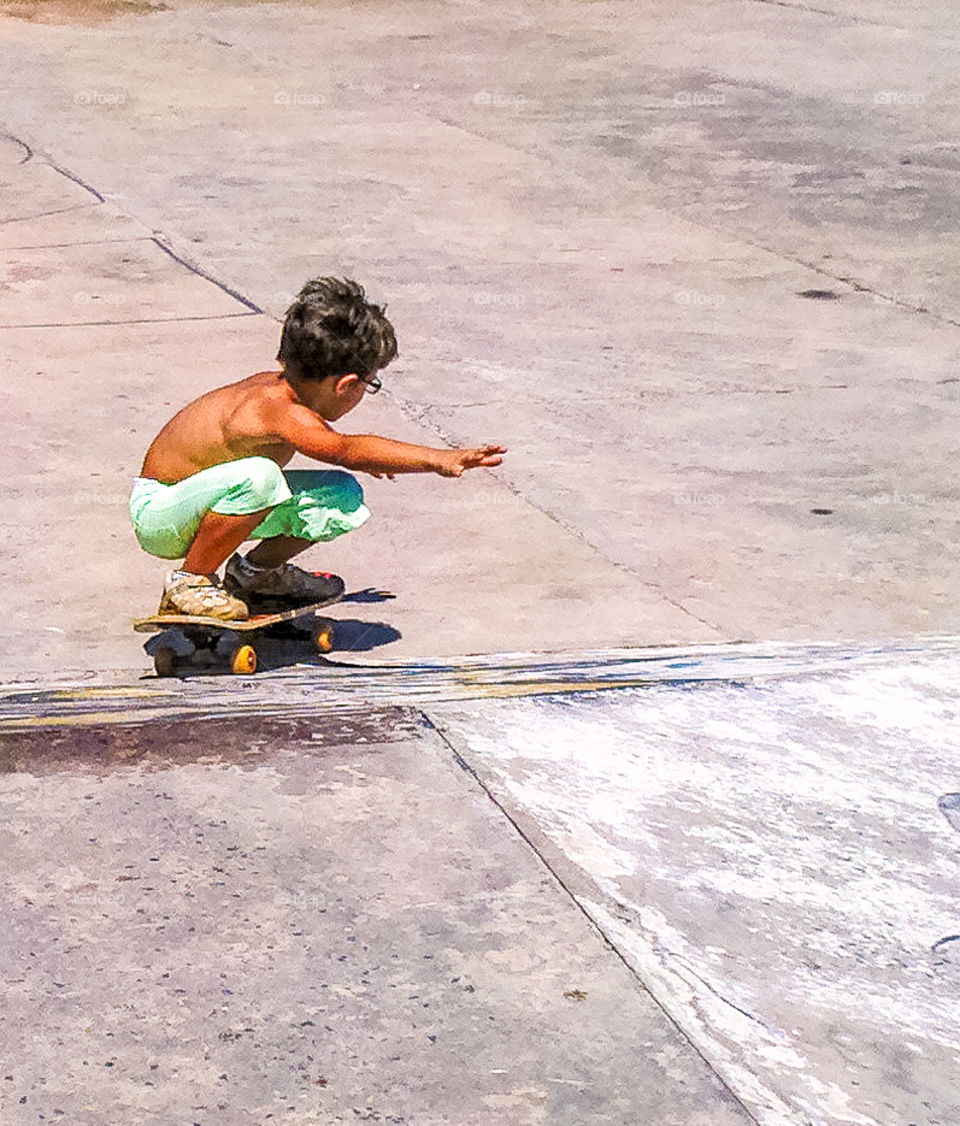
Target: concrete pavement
<point>704,288</point>
<point>764,838</point>
<point>696,265</point>
<point>299,921</point>
<point>779,864</point>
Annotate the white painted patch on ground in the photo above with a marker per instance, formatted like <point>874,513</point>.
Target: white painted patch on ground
<point>776,861</point>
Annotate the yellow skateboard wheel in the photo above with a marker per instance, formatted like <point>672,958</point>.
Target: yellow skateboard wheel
<point>323,637</point>
<point>243,659</point>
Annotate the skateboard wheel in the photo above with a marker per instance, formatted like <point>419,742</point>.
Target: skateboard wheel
<point>165,661</point>
<point>323,637</point>
<point>243,659</point>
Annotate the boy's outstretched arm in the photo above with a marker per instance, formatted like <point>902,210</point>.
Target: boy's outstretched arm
<point>369,453</point>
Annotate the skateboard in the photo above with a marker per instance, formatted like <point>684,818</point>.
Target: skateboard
<point>186,639</point>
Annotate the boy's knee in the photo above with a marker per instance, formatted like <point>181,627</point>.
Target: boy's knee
<point>257,483</point>
<point>327,503</point>
<point>263,476</point>
<point>349,491</point>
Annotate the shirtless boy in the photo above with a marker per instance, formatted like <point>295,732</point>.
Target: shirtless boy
<point>212,478</point>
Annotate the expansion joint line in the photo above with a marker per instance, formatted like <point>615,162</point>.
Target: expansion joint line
<point>131,321</point>
<point>572,896</point>
<point>717,228</point>
<point>422,418</point>
<point>155,238</point>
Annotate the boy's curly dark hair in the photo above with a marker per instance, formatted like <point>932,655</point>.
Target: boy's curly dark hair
<point>332,329</point>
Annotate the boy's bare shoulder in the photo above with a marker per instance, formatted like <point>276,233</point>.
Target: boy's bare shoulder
<point>267,391</point>
<point>267,395</point>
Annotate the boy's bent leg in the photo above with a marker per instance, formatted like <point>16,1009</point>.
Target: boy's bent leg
<point>325,504</point>
<point>167,517</point>
<point>195,588</point>
<point>218,537</point>
<point>276,551</point>
<point>202,519</point>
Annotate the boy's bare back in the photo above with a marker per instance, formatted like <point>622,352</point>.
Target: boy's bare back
<point>225,424</point>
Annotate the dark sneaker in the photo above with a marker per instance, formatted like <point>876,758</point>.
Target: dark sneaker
<point>202,596</point>
<point>287,584</point>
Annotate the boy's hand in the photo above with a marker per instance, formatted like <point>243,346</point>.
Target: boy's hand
<point>452,463</point>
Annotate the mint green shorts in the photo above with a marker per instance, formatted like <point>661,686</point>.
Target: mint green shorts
<point>308,504</point>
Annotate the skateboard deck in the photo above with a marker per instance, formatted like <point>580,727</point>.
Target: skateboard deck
<point>188,639</point>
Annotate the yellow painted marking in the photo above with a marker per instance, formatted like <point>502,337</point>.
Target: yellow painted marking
<point>106,693</point>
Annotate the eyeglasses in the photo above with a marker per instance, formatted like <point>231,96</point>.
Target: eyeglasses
<point>372,385</point>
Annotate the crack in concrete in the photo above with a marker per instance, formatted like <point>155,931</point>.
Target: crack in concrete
<point>416,414</point>
<point>857,287</point>
<point>75,179</point>
<point>23,144</point>
<point>80,242</point>
<point>842,17</point>
<point>681,961</point>
<point>851,18</point>
<point>135,321</point>
<point>624,567</point>
<point>47,214</point>
<point>201,273</point>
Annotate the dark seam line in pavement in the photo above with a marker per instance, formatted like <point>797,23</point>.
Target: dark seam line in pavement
<point>785,256</point>
<point>22,144</point>
<point>820,12</point>
<point>405,409</point>
<point>46,214</point>
<point>850,18</point>
<point>81,242</point>
<point>195,269</point>
<point>140,321</point>
<point>858,287</point>
<point>594,925</point>
<point>719,229</point>
<point>615,563</point>
<point>191,266</point>
<point>76,179</point>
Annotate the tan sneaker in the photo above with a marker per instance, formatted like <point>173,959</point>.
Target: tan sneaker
<point>201,596</point>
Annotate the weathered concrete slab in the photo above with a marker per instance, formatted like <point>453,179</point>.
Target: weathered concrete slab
<point>305,921</point>
<point>698,276</point>
<point>779,863</point>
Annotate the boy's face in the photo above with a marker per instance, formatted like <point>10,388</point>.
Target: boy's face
<point>331,398</point>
